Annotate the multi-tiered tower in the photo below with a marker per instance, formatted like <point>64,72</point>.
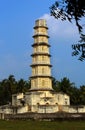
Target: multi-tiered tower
<point>41,67</point>
<point>41,97</point>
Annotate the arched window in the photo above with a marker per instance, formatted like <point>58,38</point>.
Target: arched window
<point>38,103</point>
<point>47,103</point>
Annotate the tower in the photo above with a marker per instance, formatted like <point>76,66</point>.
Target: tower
<point>41,67</point>
<point>41,98</point>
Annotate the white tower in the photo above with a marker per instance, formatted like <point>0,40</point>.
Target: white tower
<point>41,97</point>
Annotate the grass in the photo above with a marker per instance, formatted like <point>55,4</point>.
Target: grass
<point>42,125</point>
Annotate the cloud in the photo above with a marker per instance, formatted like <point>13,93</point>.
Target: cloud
<point>61,29</point>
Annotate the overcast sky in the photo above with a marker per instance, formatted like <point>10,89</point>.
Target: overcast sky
<point>17,19</point>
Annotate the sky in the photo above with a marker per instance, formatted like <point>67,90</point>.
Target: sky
<point>17,19</point>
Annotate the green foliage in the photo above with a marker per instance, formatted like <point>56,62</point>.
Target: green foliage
<point>69,9</point>
<point>82,94</point>
<point>79,49</point>
<point>77,95</point>
<point>10,86</point>
<point>72,10</point>
<point>22,86</point>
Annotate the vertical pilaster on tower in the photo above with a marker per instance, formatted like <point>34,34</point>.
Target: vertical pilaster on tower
<point>41,67</point>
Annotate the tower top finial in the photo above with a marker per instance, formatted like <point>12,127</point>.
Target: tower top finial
<point>40,22</point>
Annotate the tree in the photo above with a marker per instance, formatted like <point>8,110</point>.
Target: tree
<point>79,49</point>
<point>82,95</point>
<point>5,92</point>
<point>65,85</point>
<point>10,86</point>
<point>72,10</point>
<point>74,96</point>
<point>23,86</point>
<point>1,94</point>
<point>54,83</point>
<point>69,88</point>
<point>12,83</point>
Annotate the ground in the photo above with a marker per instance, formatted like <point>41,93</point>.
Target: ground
<point>42,125</point>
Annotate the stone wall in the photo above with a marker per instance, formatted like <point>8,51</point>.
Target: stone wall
<point>73,109</point>
<point>23,109</point>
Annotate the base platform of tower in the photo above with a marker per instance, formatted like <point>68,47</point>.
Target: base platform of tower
<point>40,98</point>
